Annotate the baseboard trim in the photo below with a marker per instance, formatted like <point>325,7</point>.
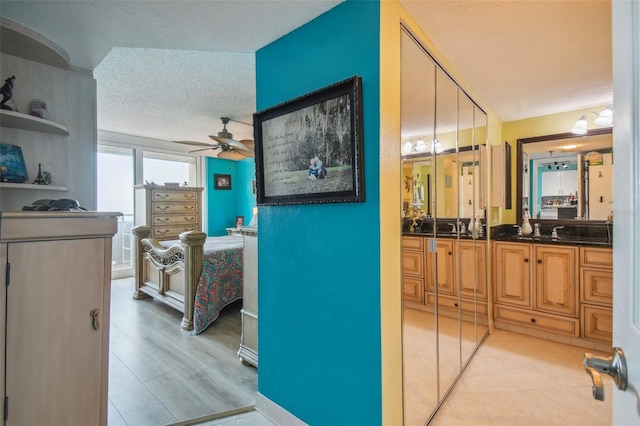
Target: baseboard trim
<point>275,413</point>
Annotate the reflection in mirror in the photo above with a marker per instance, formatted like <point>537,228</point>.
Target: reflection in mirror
<point>442,270</point>
<point>418,326</point>
<point>565,176</point>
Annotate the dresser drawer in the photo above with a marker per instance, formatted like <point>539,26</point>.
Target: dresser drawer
<point>598,257</point>
<point>161,207</point>
<point>413,243</point>
<point>449,302</point>
<point>596,286</point>
<point>171,232</point>
<point>567,326</point>
<point>412,263</point>
<point>175,219</point>
<point>597,323</point>
<point>159,195</point>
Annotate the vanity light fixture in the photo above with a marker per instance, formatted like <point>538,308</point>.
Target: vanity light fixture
<point>413,147</point>
<point>605,118</point>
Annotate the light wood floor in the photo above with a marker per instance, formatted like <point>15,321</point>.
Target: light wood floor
<point>160,374</point>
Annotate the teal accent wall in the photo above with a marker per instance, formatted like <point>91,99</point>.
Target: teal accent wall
<point>224,205</point>
<point>319,265</point>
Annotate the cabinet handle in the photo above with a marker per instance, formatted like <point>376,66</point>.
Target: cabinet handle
<point>190,219</point>
<point>162,195</point>
<point>455,304</point>
<point>189,207</point>
<point>539,261</point>
<point>450,253</point>
<point>162,231</point>
<point>162,219</point>
<point>526,260</point>
<point>162,208</point>
<point>94,316</point>
<point>533,320</point>
<point>189,196</point>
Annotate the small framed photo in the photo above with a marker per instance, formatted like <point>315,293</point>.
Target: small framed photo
<point>239,221</point>
<point>221,181</point>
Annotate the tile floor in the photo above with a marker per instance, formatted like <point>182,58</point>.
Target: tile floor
<point>516,379</point>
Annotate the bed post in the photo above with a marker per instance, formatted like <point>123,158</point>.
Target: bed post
<point>139,232</point>
<point>193,242</point>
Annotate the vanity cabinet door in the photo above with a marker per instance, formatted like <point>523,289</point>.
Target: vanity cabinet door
<point>472,269</point>
<point>556,278</point>
<point>443,259</point>
<point>513,274</point>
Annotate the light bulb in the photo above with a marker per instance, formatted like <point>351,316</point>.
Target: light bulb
<point>605,118</point>
<point>406,148</point>
<point>580,128</point>
<point>421,146</point>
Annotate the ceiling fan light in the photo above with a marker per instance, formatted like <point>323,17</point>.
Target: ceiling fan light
<point>605,118</point>
<point>580,128</point>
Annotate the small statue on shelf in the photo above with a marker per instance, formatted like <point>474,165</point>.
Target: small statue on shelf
<point>7,93</point>
<point>40,180</point>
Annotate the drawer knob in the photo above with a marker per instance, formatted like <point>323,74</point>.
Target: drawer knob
<point>539,261</point>
<point>94,317</point>
<point>533,320</point>
<point>526,260</point>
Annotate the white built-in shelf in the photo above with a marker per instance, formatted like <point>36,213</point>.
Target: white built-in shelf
<point>18,120</point>
<point>8,185</point>
<point>21,41</point>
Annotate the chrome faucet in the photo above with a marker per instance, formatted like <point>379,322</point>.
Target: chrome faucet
<point>554,233</point>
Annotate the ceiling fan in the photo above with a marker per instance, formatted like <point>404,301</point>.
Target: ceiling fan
<point>230,149</point>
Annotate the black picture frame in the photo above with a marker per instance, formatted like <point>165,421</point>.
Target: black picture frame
<point>325,124</point>
<point>221,181</point>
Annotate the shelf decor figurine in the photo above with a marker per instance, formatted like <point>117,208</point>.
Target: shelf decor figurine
<point>39,109</point>
<point>40,179</point>
<point>7,93</point>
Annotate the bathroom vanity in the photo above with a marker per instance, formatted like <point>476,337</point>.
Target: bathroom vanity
<point>557,288</point>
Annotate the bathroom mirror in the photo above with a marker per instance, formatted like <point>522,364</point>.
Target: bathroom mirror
<point>565,177</point>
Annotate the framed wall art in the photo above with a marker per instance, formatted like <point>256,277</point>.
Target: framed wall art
<point>309,149</point>
<point>12,166</point>
<point>221,181</point>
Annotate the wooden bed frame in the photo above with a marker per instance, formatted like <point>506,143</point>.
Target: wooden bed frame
<point>169,275</point>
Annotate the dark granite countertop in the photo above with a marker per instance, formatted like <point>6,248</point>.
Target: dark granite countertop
<point>592,234</point>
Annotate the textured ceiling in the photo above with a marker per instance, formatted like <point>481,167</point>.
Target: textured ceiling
<point>169,69</point>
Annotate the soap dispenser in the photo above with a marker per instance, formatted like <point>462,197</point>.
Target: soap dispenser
<point>471,225</point>
<point>526,226</point>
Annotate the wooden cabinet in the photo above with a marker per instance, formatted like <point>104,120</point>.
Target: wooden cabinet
<point>596,293</point>
<point>555,279</point>
<point>413,259</point>
<point>248,351</point>
<point>168,210</point>
<point>442,262</point>
<point>473,269</point>
<point>569,291</point>
<point>513,274</point>
<point>54,305</point>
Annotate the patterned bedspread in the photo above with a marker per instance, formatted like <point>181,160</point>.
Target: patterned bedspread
<point>221,279</point>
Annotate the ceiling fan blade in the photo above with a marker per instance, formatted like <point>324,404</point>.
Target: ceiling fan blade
<point>249,144</point>
<point>202,149</point>
<point>231,142</point>
<point>196,143</point>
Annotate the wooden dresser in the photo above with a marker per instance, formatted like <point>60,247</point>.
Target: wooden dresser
<point>168,210</point>
<point>54,316</point>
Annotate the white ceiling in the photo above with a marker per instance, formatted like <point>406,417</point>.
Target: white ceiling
<point>169,69</point>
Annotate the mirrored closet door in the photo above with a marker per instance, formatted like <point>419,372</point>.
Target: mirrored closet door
<point>444,244</point>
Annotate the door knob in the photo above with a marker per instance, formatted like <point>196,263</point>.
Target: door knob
<point>614,365</point>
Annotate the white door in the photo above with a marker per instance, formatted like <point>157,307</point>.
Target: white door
<point>626,183</point>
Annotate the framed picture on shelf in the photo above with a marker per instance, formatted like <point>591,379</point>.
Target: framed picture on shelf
<point>221,181</point>
<point>12,166</point>
<point>309,149</point>
<point>239,221</point>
